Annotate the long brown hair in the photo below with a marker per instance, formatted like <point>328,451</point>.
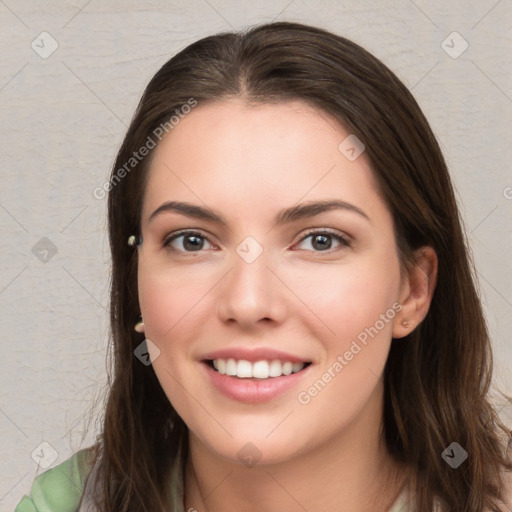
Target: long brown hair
<point>436,380</point>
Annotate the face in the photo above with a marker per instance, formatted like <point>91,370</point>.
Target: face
<point>251,284</point>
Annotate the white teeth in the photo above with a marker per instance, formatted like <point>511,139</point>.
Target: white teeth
<point>275,368</point>
<point>260,369</point>
<point>297,367</point>
<point>244,369</point>
<point>230,367</point>
<point>287,368</point>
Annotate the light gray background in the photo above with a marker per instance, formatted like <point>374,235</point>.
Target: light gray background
<point>63,118</point>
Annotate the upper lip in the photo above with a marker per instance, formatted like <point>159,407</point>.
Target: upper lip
<point>253,355</point>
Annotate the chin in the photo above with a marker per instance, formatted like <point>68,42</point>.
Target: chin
<point>250,449</point>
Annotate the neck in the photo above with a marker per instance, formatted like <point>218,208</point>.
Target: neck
<point>353,469</point>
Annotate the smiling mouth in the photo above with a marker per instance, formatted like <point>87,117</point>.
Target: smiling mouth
<point>257,370</point>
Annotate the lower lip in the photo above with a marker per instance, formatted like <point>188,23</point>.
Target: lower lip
<point>253,391</point>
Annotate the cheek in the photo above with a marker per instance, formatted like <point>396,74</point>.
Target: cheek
<point>358,307</point>
<point>367,299</point>
<point>346,299</point>
<point>169,299</point>
<point>158,305</point>
<point>170,303</point>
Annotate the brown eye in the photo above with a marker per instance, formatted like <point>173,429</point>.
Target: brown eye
<point>321,241</point>
<point>192,241</point>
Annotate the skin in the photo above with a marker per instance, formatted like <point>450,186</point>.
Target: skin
<point>247,163</point>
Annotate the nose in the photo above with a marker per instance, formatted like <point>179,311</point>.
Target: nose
<point>252,294</point>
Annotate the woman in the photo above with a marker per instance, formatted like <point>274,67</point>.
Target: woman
<point>282,218</point>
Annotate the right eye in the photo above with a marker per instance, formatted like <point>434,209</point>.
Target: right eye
<point>191,241</point>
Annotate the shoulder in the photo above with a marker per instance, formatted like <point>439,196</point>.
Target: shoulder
<point>60,488</point>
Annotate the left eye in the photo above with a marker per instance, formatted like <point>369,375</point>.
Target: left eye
<point>321,240</point>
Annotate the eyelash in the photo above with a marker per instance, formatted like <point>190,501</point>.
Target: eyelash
<point>345,242</point>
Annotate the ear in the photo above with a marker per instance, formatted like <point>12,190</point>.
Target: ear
<point>416,292</point>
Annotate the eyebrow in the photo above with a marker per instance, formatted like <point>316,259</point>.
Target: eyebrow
<point>287,215</point>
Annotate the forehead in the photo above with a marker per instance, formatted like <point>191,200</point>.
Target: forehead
<point>236,154</point>
<point>236,129</point>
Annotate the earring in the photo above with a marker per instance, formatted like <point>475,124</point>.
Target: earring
<point>134,240</point>
<point>139,326</point>
<point>405,323</point>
